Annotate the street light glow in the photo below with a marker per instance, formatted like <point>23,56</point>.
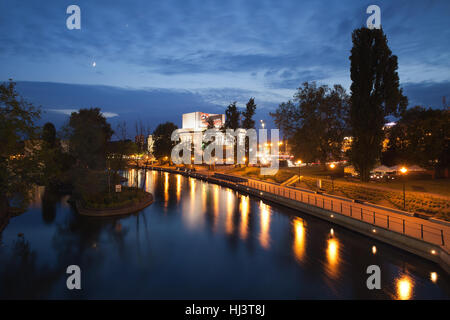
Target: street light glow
<point>403,170</point>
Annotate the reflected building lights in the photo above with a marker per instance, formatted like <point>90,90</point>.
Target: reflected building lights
<point>404,288</point>
<point>299,239</point>
<point>216,200</point>
<point>166,188</point>
<point>192,195</point>
<point>230,207</point>
<point>244,208</point>
<point>204,197</point>
<point>178,191</point>
<point>433,276</point>
<point>147,182</point>
<point>333,257</point>
<point>264,237</point>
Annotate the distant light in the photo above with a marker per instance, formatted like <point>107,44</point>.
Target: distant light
<point>390,124</point>
<point>374,249</point>
<point>332,215</point>
<point>332,231</point>
<point>374,231</point>
<point>403,170</point>
<point>433,251</point>
<point>94,64</point>
<point>332,166</point>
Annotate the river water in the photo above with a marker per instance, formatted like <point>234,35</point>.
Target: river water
<point>201,241</point>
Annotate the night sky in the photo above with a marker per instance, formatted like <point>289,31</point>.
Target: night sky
<point>155,60</point>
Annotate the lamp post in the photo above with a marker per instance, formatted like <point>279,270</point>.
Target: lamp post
<point>403,171</point>
<point>299,162</point>
<point>332,166</point>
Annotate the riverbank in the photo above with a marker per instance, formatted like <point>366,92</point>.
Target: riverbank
<point>428,198</point>
<point>424,238</point>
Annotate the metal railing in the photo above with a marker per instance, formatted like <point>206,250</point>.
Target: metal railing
<point>376,217</point>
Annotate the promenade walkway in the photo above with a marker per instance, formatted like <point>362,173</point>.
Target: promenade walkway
<point>393,220</point>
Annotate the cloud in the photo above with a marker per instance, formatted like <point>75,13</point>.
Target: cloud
<point>70,111</point>
<point>216,48</point>
<point>427,94</point>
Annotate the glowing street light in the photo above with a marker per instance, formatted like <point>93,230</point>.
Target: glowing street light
<point>332,166</point>
<point>299,162</point>
<point>403,171</point>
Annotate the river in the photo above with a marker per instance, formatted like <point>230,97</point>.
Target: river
<point>201,241</point>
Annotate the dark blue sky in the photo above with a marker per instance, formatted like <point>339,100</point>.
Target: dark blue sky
<point>157,59</point>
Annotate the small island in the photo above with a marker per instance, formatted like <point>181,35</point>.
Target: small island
<point>129,200</point>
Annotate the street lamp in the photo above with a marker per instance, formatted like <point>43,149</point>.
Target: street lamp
<point>332,166</point>
<point>299,162</point>
<point>403,171</point>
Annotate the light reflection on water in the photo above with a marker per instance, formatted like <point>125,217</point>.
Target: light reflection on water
<point>404,287</point>
<point>299,239</point>
<point>264,237</point>
<point>244,208</point>
<point>205,241</point>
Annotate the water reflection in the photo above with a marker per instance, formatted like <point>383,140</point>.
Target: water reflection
<point>229,227</point>
<point>264,237</point>
<point>178,192</point>
<point>191,233</point>
<point>299,239</point>
<point>332,268</point>
<point>433,276</point>
<point>166,189</point>
<point>404,287</point>
<point>244,207</point>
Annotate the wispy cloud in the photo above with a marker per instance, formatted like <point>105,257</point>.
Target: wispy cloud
<point>263,48</point>
<point>70,111</point>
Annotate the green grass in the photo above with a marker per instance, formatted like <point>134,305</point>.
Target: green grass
<point>427,197</point>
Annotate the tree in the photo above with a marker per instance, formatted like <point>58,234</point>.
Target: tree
<point>89,134</point>
<point>232,116</point>
<point>162,140</point>
<point>316,126</point>
<point>248,113</point>
<point>421,137</point>
<point>55,163</point>
<point>119,151</point>
<point>248,123</point>
<point>18,170</point>
<point>375,94</point>
<point>49,134</point>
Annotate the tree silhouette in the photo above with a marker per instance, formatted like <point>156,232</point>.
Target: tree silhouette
<point>375,94</point>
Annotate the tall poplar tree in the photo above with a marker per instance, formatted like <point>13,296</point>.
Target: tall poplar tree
<point>375,94</point>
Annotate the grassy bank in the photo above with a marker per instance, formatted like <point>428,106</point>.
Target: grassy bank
<point>431,200</point>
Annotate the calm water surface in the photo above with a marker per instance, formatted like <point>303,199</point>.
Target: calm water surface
<point>199,240</point>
